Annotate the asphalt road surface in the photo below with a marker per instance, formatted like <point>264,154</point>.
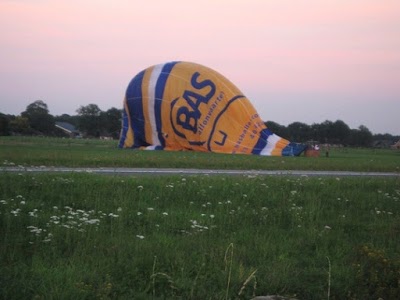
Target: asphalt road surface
<point>151,171</point>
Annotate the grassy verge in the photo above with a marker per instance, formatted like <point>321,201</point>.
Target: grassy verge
<point>31,151</point>
<point>84,236</point>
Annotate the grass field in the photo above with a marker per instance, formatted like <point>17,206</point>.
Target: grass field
<point>87,236</point>
<point>30,151</point>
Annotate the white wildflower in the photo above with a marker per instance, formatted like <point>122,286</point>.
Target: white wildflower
<point>35,230</point>
<point>33,213</point>
<point>93,221</point>
<point>16,211</point>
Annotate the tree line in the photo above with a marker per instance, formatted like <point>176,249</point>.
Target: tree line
<point>328,132</point>
<point>92,122</point>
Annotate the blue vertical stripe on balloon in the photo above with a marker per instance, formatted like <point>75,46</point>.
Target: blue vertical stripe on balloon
<point>135,105</point>
<point>160,87</point>
<point>262,141</point>
<point>125,126</point>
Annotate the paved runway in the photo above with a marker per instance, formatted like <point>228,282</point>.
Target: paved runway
<point>151,171</point>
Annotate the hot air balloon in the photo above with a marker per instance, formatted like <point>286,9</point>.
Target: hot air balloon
<point>186,106</point>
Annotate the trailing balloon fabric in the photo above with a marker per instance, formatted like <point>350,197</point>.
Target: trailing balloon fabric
<point>187,106</point>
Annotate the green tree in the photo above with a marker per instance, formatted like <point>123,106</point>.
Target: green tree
<point>20,125</point>
<point>89,120</point>
<point>4,124</point>
<point>325,131</point>
<point>278,129</point>
<point>299,132</point>
<point>361,137</point>
<point>111,120</point>
<point>39,118</point>
<point>316,133</point>
<point>340,132</point>
<point>67,118</point>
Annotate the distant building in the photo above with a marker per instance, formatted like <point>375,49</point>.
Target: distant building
<point>396,145</point>
<point>382,144</point>
<point>69,129</point>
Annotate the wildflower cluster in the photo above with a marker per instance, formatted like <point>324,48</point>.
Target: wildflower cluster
<point>66,218</point>
<point>14,205</point>
<point>63,180</point>
<point>8,163</point>
<point>395,196</point>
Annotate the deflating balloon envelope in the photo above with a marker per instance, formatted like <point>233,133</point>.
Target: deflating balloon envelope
<point>187,106</point>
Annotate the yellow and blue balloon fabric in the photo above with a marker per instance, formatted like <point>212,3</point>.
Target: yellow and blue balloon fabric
<point>186,106</point>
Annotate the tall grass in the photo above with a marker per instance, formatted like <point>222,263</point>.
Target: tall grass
<point>34,151</point>
<point>85,236</point>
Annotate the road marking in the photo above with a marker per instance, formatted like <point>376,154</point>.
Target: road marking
<point>151,171</point>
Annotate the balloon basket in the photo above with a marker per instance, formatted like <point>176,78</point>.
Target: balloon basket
<point>311,153</point>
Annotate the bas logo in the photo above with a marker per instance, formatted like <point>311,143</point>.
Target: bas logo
<point>188,113</point>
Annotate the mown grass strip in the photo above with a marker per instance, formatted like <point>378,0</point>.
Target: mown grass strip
<point>34,151</point>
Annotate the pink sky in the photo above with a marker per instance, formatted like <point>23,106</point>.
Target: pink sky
<point>303,60</point>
